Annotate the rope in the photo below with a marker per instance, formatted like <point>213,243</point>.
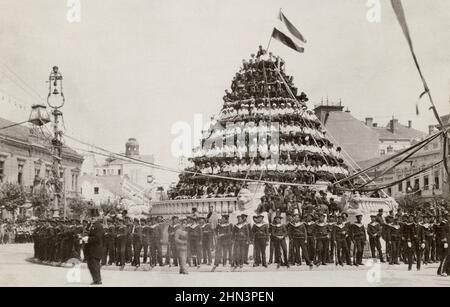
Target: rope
<point>394,182</point>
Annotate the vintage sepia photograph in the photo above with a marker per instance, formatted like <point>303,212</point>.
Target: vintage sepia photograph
<point>224,149</point>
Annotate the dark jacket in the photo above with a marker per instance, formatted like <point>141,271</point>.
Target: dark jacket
<point>94,246</point>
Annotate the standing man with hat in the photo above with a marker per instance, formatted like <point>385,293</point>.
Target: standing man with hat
<point>172,247</point>
<point>321,237</point>
<point>260,233</point>
<point>241,236</point>
<point>359,239</point>
<point>340,234</point>
<point>94,250</point>
<point>278,237</point>
<point>374,232</point>
<point>223,249</point>
<point>207,233</point>
<point>194,242</point>
<point>298,239</point>
<point>137,243</point>
<point>181,241</point>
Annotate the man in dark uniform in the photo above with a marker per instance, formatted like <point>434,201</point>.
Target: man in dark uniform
<point>348,224</point>
<point>374,231</point>
<point>224,232</point>
<point>413,237</point>
<point>311,243</point>
<point>155,243</point>
<point>121,242</point>
<point>207,233</point>
<point>394,236</point>
<point>172,247</point>
<point>340,234</point>
<point>194,242</point>
<point>444,267</point>
<point>181,241</point>
<point>109,245</point>
<point>129,242</point>
<point>145,238</point>
<point>298,238</point>
<point>321,237</point>
<point>94,250</point>
<point>428,231</point>
<point>241,237</point>
<point>249,227</point>
<point>136,236</point>
<point>278,237</point>
<point>260,234</point>
<point>359,239</point>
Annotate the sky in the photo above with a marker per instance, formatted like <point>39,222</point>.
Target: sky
<point>135,68</point>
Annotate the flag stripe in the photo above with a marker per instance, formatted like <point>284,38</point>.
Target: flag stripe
<point>280,36</point>
<point>291,28</point>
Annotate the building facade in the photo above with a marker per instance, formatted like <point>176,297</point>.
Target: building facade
<point>118,179</point>
<point>26,159</point>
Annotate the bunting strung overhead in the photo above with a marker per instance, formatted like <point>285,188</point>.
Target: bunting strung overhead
<point>400,13</point>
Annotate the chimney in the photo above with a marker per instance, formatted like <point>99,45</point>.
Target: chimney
<point>409,123</point>
<point>369,121</point>
<point>430,129</point>
<point>393,125</point>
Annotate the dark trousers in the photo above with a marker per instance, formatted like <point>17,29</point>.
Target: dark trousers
<point>155,253</point>
<point>239,252</point>
<point>145,248</point>
<point>311,246</point>
<point>259,245</point>
<point>374,243</point>
<point>271,251</point>
<point>108,251</point>
<point>342,252</point>
<point>359,251</point>
<point>279,247</point>
<point>121,243</point>
<point>322,250</point>
<point>194,251</point>
<point>395,251</point>
<point>427,253</point>
<point>129,250</point>
<point>172,252</point>
<point>94,268</point>
<point>417,251</point>
<point>223,251</point>
<point>206,248</point>
<point>137,247</point>
<point>297,244</point>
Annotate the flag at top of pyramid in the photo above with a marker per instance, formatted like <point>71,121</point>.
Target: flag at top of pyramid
<point>288,34</point>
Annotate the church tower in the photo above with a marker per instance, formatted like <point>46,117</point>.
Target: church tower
<point>132,147</point>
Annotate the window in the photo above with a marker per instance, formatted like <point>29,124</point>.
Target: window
<point>104,172</point>
<point>382,152</point>
<point>2,170</point>
<point>416,183</point>
<point>389,191</point>
<point>436,181</point>
<point>400,187</point>
<point>426,182</point>
<point>20,174</point>
<point>119,172</point>
<point>96,190</point>
<point>390,149</point>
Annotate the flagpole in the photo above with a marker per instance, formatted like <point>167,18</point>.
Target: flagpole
<point>271,35</point>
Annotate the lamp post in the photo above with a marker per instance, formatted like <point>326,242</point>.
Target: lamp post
<point>55,101</point>
<point>40,117</point>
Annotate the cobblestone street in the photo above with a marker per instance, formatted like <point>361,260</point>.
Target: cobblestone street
<point>15,270</point>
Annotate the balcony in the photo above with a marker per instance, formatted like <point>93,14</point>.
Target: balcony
<point>183,207</point>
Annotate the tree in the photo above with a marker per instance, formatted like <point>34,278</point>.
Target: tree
<point>12,196</point>
<point>112,207</point>
<point>41,201</point>
<point>79,206</point>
